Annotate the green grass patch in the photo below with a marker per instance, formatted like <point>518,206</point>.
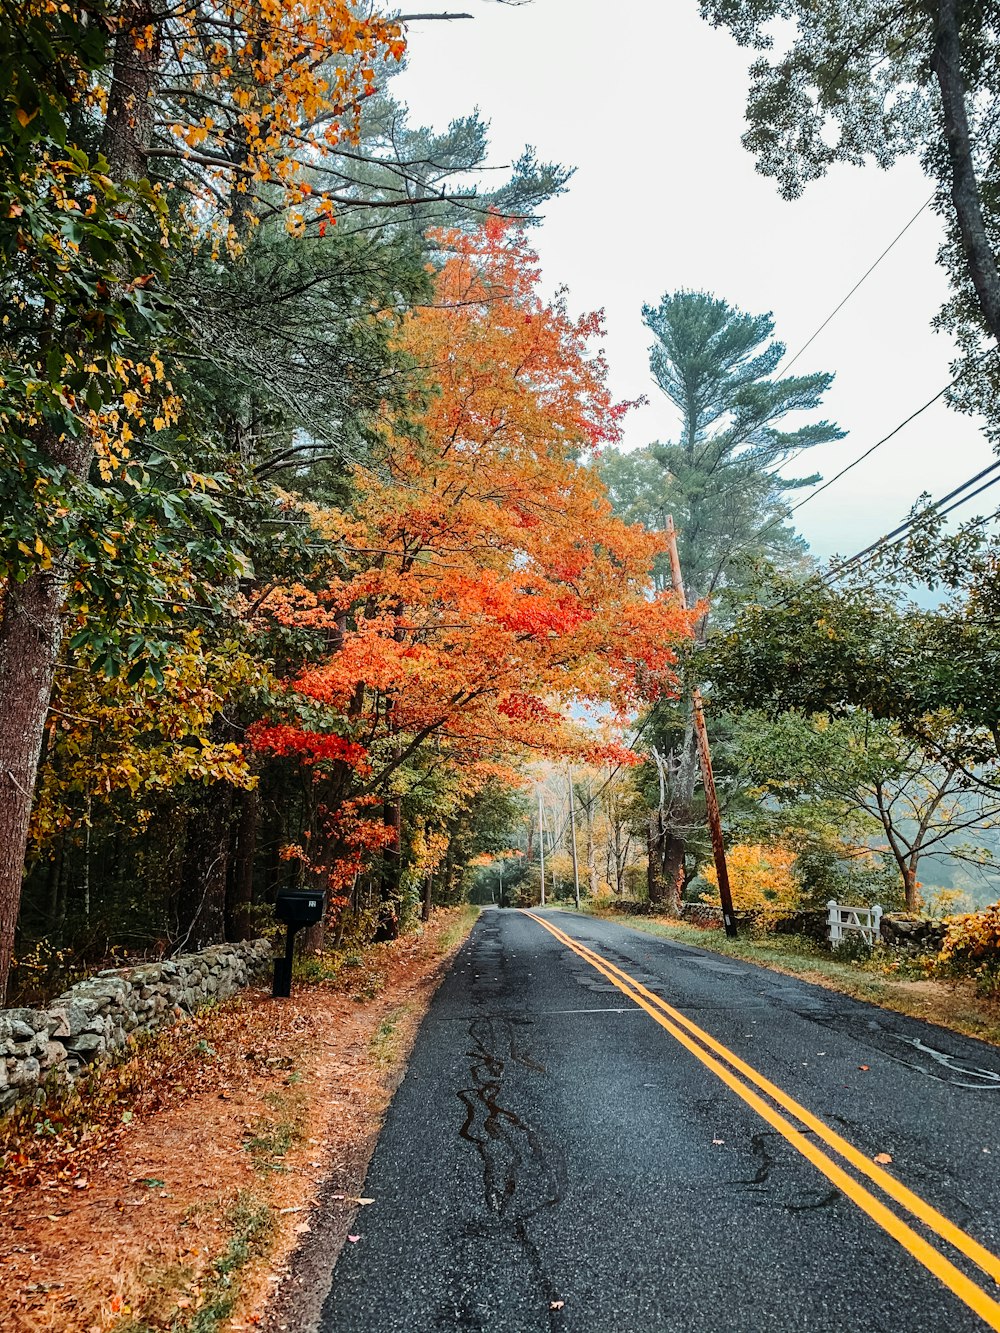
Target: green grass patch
<point>270,1140</point>
<point>457,929</point>
<point>384,1045</point>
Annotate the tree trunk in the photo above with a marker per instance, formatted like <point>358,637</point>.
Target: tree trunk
<point>665,872</point>
<point>314,939</point>
<point>52,895</point>
<point>678,818</point>
<point>202,899</point>
<point>946,63</point>
<point>674,868</point>
<point>239,888</point>
<point>30,639</point>
<point>656,885</point>
<point>31,624</point>
<point>388,916</point>
<point>129,121</point>
<point>592,877</point>
<point>428,904</point>
<point>911,888</point>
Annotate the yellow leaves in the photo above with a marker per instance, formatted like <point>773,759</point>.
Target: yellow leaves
<point>762,879</point>
<point>971,948</point>
<point>200,482</point>
<point>116,737</point>
<point>24,118</point>
<point>38,551</point>
<point>292,75</point>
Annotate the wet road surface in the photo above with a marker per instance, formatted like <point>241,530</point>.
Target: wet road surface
<point>605,1132</point>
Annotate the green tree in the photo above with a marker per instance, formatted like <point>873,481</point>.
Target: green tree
<point>146,429</point>
<point>877,780</point>
<point>869,642</point>
<point>720,367</point>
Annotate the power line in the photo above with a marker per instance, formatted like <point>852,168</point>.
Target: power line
<point>901,531</point>
<point>784,369</point>
<point>786,366</point>
<point>787,513</point>
<point>897,536</point>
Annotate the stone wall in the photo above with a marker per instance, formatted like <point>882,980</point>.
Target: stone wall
<point>918,934</point>
<point>96,1016</point>
<point>707,914</point>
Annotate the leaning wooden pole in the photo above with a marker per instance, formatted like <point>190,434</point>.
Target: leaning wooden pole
<point>705,756</point>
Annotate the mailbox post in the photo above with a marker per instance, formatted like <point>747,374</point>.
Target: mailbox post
<point>296,908</point>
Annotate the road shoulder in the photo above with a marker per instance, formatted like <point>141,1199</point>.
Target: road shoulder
<point>207,1174</point>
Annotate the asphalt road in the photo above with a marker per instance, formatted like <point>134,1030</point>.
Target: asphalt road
<point>557,1158</point>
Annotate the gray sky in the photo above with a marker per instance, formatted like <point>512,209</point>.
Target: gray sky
<point>647,101</point>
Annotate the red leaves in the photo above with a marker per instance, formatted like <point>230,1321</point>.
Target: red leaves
<point>311,746</point>
<point>485,583</point>
<point>613,752</point>
<point>520,707</point>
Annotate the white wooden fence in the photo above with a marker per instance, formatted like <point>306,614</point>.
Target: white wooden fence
<point>844,921</point>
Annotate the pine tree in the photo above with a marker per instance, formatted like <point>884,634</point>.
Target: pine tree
<point>720,368</point>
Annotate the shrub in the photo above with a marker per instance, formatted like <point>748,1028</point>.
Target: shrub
<point>762,882</point>
<point>971,948</point>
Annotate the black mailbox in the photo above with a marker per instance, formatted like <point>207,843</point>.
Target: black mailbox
<point>297,908</point>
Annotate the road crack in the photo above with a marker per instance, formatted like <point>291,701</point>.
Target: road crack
<point>522,1174</point>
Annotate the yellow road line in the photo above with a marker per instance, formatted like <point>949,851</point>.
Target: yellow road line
<point>888,1183</point>
<point>972,1295</point>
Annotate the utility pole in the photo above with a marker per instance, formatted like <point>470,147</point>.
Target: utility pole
<point>705,755</point>
<point>541,845</point>
<point>572,826</point>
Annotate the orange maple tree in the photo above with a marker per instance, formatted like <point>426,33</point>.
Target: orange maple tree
<point>484,585</point>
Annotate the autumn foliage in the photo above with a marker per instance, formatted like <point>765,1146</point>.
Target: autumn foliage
<point>971,948</point>
<point>763,881</point>
<point>482,583</point>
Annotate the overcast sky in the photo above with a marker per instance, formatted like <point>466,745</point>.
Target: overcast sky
<point>647,102</point>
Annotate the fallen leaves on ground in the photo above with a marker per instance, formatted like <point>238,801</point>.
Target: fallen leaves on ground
<point>139,1219</point>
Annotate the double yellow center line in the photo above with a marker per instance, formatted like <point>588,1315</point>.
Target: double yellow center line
<point>742,1079</point>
